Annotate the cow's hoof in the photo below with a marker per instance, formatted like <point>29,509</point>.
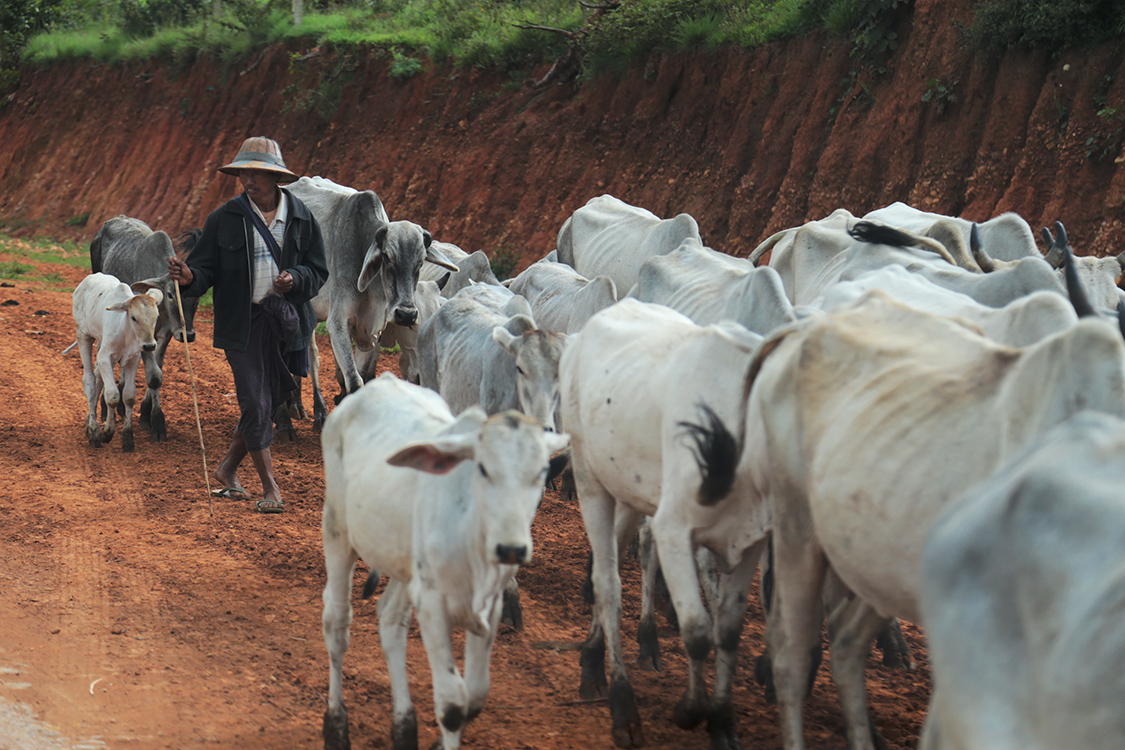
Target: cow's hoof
<point>627,730</point>
<point>404,732</point>
<point>127,445</point>
<point>335,730</point>
<point>158,429</point>
<point>688,714</point>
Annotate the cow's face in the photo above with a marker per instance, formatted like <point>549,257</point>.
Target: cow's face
<point>537,371</point>
<point>169,323</point>
<point>393,263</point>
<point>141,313</point>
<point>511,455</point>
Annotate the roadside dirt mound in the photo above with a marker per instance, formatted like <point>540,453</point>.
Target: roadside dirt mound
<point>136,618</point>
<point>748,142</point>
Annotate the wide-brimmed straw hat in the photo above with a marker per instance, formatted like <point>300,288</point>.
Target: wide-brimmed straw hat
<point>259,153</point>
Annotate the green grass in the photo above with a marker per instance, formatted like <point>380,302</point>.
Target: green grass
<point>483,34</point>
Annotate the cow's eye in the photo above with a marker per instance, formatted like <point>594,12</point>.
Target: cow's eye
<point>521,372</point>
<point>483,473</point>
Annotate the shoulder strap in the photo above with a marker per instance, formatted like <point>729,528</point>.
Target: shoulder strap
<point>260,225</point>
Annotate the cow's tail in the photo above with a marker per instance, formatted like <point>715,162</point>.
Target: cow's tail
<point>370,584</point>
<point>874,233</point>
<point>66,351</point>
<point>716,452</point>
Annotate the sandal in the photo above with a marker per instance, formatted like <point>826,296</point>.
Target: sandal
<point>269,506</point>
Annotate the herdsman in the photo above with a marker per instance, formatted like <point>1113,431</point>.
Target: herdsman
<point>263,255</point>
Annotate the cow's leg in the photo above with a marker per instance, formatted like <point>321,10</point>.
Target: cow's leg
<point>851,627</point>
<point>339,562</point>
<point>677,560</point>
<point>340,335</point>
<point>648,656</point>
<point>598,514</point>
<point>512,612</point>
<point>152,415</point>
<point>730,609</point>
<point>128,396</point>
<point>92,387</point>
<point>794,630</point>
<point>107,384</point>
<point>394,621</point>
<point>320,409</point>
<point>478,655</point>
<point>451,700</point>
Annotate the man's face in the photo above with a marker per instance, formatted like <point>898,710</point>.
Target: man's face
<point>258,183</point>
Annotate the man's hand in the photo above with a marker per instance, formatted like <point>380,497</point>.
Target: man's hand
<point>179,271</point>
<point>283,283</point>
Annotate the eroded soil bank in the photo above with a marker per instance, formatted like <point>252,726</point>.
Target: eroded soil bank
<point>747,142</point>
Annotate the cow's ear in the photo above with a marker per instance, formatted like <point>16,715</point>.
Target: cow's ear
<point>438,456</point>
<point>156,294</point>
<point>119,307</point>
<point>507,341</point>
<point>371,265</point>
<point>427,238</point>
<point>381,236</point>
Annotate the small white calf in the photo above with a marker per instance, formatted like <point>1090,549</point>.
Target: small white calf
<point>1022,589</point>
<point>441,505</point>
<point>122,320</point>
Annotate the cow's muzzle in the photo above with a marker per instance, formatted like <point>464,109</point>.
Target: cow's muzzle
<point>510,554</point>
<point>190,336</point>
<point>149,347</point>
<point>405,317</point>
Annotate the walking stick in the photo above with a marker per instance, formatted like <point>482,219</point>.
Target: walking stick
<point>194,401</point>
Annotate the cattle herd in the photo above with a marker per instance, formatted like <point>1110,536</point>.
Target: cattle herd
<point>901,415</point>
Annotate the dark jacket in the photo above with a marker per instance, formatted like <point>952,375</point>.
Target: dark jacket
<point>222,260</point>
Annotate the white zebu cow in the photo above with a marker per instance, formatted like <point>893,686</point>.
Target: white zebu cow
<point>608,237</point>
<point>449,528</point>
<point>1019,323</point>
<point>1022,589</point>
<point>482,348</point>
<point>866,422</point>
<point>630,380</point>
<point>812,257</point>
<point>1004,237</point>
<point>561,299</point>
<point>122,320</point>
<point>373,267</point>
<point>709,286</point>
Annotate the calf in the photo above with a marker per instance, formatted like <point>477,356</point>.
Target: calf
<point>562,299</point>
<point>443,506</point>
<point>122,320</point>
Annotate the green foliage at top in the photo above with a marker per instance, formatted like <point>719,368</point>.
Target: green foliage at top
<point>1051,25</point>
<point>495,33</point>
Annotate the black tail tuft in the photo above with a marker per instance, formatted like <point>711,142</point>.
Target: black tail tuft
<point>370,584</point>
<point>188,239</point>
<point>881,234</point>
<point>716,452</point>
<point>557,466</point>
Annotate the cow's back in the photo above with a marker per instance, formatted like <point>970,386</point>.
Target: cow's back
<point>127,248</point>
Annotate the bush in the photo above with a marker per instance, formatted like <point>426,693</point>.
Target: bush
<point>1051,25</point>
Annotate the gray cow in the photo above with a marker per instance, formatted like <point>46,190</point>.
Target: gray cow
<point>373,267</point>
<point>482,347</point>
<point>128,249</point>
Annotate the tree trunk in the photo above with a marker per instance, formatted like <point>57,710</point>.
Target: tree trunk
<point>298,12</point>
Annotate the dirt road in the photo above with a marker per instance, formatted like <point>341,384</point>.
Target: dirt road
<point>134,617</point>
